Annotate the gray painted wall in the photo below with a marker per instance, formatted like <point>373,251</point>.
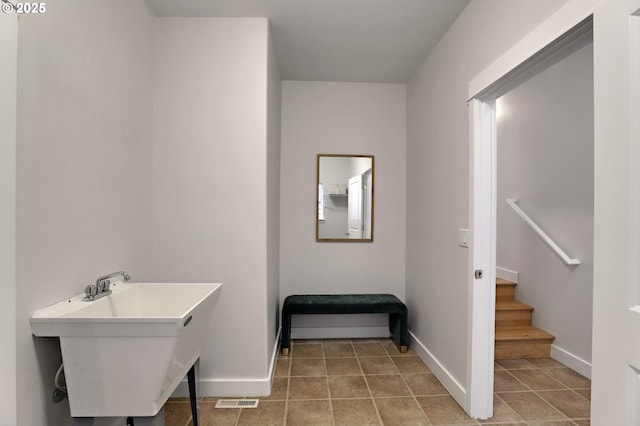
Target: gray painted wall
<point>274,96</point>
<point>8,93</point>
<point>545,159</point>
<point>342,118</point>
<point>86,181</point>
<point>211,182</point>
<point>84,158</point>
<point>438,170</point>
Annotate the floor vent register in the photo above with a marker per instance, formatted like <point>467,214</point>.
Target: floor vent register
<point>237,403</point>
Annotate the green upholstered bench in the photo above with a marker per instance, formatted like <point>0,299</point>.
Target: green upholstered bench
<point>347,304</point>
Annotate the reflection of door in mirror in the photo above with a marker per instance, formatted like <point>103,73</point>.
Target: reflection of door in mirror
<point>359,206</point>
<point>345,198</point>
<point>367,203</point>
<point>354,207</point>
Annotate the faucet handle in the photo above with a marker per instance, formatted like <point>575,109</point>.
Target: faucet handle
<point>91,290</point>
<point>103,285</point>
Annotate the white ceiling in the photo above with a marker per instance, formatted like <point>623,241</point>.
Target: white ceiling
<point>338,40</point>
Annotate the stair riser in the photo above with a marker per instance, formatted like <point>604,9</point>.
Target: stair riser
<point>513,318</point>
<point>505,292</point>
<point>522,349</point>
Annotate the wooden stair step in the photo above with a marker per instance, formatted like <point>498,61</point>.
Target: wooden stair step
<point>511,313</point>
<point>522,334</point>
<point>512,305</point>
<point>522,342</point>
<point>505,290</point>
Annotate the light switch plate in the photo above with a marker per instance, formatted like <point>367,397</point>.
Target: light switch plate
<point>463,238</point>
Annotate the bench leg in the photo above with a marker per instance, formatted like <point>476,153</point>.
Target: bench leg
<point>286,334</point>
<point>399,330</point>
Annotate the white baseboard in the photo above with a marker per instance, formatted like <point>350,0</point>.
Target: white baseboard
<point>274,359</point>
<point>572,361</point>
<point>254,387</point>
<point>240,387</point>
<point>457,391</point>
<point>339,332</point>
<point>507,274</point>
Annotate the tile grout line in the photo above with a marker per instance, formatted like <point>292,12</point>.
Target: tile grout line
<point>189,420</point>
<point>364,376</point>
<point>530,389</point>
<point>238,416</point>
<point>548,403</point>
<point>412,393</point>
<point>286,399</point>
<point>388,356</point>
<point>495,395</point>
<point>582,396</point>
<point>544,370</point>
<point>571,388</point>
<point>326,371</point>
<point>566,417</point>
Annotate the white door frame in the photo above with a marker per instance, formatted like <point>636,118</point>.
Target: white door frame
<point>482,257</point>
<point>616,296</point>
<point>549,41</point>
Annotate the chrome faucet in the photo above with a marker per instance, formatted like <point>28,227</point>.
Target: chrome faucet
<point>101,287</point>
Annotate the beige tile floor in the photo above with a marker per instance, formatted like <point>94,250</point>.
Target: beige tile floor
<point>368,382</point>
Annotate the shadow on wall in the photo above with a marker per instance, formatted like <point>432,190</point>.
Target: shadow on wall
<point>49,357</point>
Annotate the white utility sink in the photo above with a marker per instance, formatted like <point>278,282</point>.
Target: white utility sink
<point>124,354</point>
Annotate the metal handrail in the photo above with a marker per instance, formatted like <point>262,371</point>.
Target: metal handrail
<point>545,237</point>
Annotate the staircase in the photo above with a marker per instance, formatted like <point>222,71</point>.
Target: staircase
<point>515,336</point>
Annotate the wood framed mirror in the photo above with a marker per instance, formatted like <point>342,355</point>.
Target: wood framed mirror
<point>344,198</point>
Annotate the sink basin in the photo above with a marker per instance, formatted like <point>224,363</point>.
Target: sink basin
<point>124,354</point>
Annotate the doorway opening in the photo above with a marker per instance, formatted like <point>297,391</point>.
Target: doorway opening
<point>545,199</point>
<point>483,215</point>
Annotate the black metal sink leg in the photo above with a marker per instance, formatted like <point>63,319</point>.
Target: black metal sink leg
<point>193,395</point>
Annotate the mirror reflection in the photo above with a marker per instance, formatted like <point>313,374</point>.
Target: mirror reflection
<point>345,198</point>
